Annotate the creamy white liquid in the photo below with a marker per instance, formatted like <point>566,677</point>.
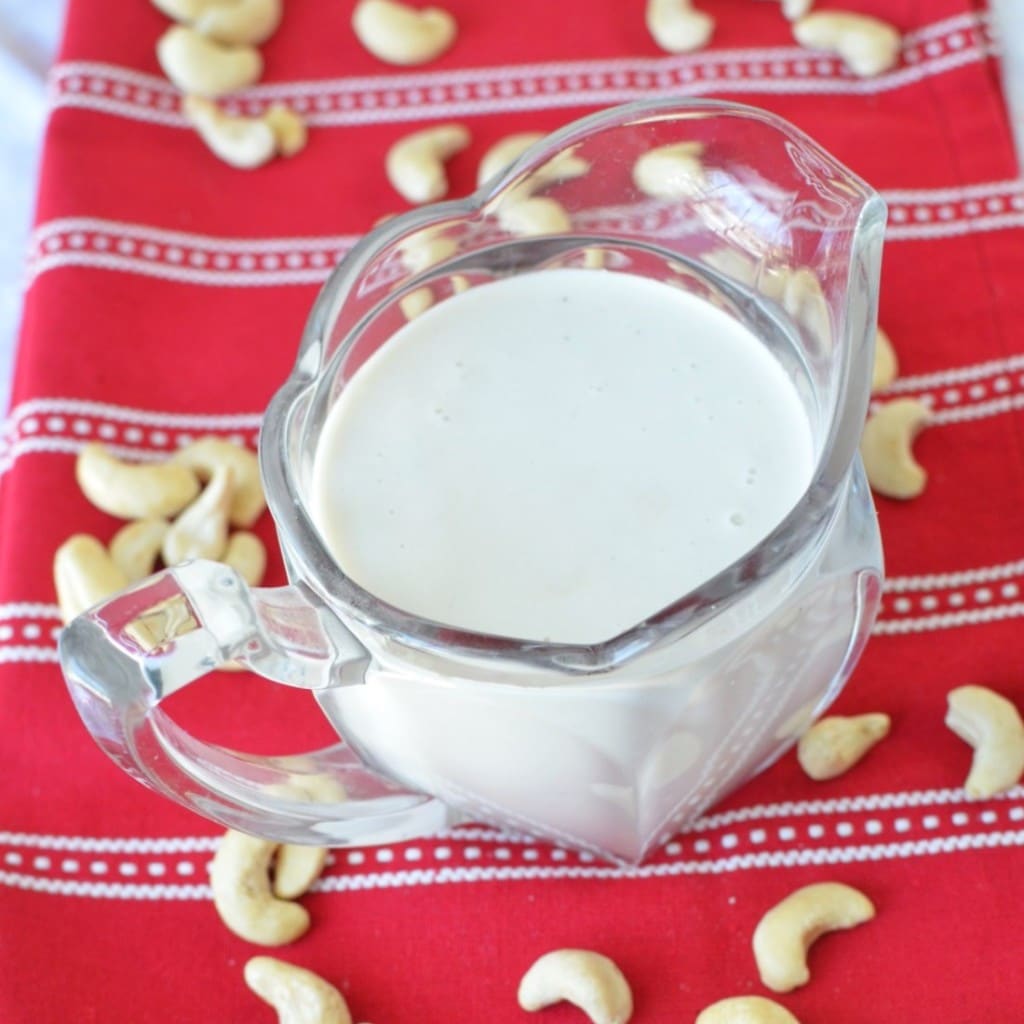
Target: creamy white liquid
<point>558,455</point>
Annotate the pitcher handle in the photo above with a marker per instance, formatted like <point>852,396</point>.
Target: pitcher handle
<point>125,655</point>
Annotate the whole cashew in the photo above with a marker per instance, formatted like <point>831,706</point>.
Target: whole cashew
<point>584,978</point>
<point>676,27</point>
<point>296,868</point>
<point>298,995</point>
<point>242,894</point>
<point>241,21</point>
<point>745,1010</point>
<point>84,574</point>
<point>504,153</point>
<point>130,490</point>
<point>136,547</point>
<point>201,531</point>
<point>399,34</point>
<point>203,67</point>
<point>538,215</point>
<point>416,302</point>
<point>992,725</point>
<point>835,744</point>
<point>415,163</point>
<point>185,11</point>
<point>247,555</point>
<point>426,248</point>
<point>786,932</point>
<point>868,46</point>
<point>886,366</point>
<point>242,142</point>
<point>209,454</point>
<point>290,132</point>
<point>793,9</point>
<point>564,166</point>
<point>885,447</point>
<point>670,172</point>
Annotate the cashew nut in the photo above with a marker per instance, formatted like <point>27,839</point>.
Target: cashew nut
<point>84,574</point>
<point>426,248</point>
<point>745,1010</point>
<point>992,725</point>
<point>136,547</point>
<point>247,555</point>
<point>786,932</point>
<point>240,21</point>
<point>182,10</point>
<point>290,132</point>
<point>584,978</point>
<point>670,172</point>
<point>240,879</point>
<point>201,66</point>
<point>504,153</point>
<point>296,868</point>
<point>205,456</point>
<point>793,9</point>
<point>298,995</point>
<point>564,166</point>
<point>242,142</point>
<point>538,215</point>
<point>867,45</point>
<point>416,302</point>
<point>886,367</point>
<point>399,34</point>
<point>676,27</point>
<point>201,531</point>
<point>835,744</point>
<point>415,163</point>
<point>885,448</point>
<point>133,491</point>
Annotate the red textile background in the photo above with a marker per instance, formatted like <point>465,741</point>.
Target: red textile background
<point>167,293</point>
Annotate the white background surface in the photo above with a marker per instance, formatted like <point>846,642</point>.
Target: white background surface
<point>29,31</point>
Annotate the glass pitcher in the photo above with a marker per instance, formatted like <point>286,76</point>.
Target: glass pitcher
<point>610,747</point>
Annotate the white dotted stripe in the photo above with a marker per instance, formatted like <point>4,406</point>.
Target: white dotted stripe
<point>119,845</point>
<point>957,375</point>
<point>933,50</point>
<point>227,262</point>
<point>944,600</point>
<point>950,405</point>
<point>40,862</point>
<point>909,604</point>
<point>965,578</point>
<point>948,620</point>
<point>65,426</point>
<point>1009,805</point>
<point>678,865</point>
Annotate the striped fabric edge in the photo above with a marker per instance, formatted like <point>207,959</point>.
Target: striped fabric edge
<point>199,259</point>
<point>871,827</point>
<point>63,426</point>
<point>910,604</point>
<point>934,49</point>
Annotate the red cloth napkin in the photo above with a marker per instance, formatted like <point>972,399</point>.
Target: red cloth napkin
<point>167,293</point>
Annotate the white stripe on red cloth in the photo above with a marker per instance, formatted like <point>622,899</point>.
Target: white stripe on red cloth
<point>64,425</point>
<point>274,262</point>
<point>931,50</point>
<point>910,604</point>
<point>874,826</point>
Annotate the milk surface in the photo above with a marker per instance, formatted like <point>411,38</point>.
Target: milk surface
<point>558,455</point>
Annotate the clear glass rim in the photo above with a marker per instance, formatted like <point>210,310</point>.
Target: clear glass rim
<point>682,616</point>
